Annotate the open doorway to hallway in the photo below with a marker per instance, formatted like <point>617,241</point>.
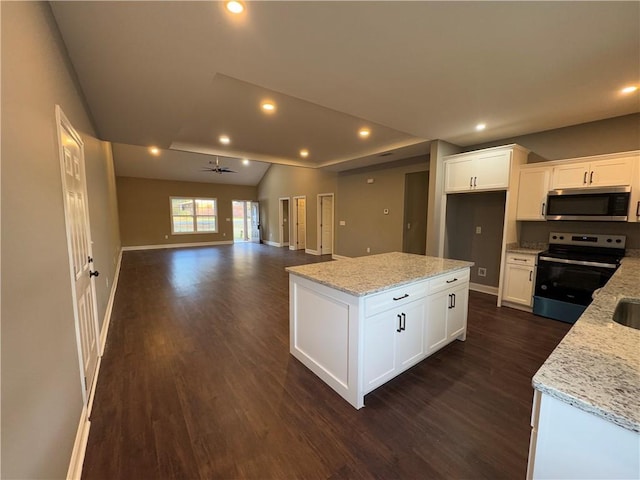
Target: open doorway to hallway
<point>246,221</point>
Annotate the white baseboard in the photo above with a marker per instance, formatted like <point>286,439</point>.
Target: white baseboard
<point>339,257</point>
<point>285,244</point>
<point>272,244</point>
<point>107,314</point>
<point>79,447</point>
<point>175,245</point>
<point>478,287</point>
<point>311,252</point>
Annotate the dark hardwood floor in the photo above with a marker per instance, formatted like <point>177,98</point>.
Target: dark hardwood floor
<point>197,382</point>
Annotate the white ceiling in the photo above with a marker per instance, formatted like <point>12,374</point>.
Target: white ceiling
<point>179,74</point>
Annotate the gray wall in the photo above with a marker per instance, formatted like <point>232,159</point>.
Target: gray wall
<point>145,215</point>
<point>618,134</point>
<point>360,205</point>
<point>41,390</point>
<point>287,181</point>
<point>465,212</point>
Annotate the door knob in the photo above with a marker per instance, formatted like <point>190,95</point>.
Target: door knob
<point>93,274</point>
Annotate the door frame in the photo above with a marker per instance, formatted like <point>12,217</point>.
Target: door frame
<point>319,220</point>
<point>294,245</point>
<point>62,122</point>
<point>281,201</point>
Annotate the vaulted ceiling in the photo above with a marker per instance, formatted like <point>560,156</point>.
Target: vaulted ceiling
<point>178,75</point>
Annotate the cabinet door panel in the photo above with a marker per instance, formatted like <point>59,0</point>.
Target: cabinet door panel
<point>518,282</point>
<point>491,171</point>
<point>379,348</point>
<point>532,194</point>
<point>410,341</point>
<point>436,321</point>
<point>458,175</point>
<point>610,172</point>
<point>457,316</point>
<point>575,175</point>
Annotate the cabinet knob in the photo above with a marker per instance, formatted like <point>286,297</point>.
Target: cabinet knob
<point>400,298</point>
<point>399,329</point>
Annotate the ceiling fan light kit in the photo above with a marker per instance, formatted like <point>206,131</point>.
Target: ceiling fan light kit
<point>217,168</point>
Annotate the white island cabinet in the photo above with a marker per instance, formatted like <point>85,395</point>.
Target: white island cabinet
<point>357,323</point>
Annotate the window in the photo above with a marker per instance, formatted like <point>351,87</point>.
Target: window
<point>194,215</point>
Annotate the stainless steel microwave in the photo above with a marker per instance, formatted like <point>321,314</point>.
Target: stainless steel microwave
<point>610,204</point>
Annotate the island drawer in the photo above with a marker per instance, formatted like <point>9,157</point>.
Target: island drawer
<point>382,301</point>
<point>443,282</point>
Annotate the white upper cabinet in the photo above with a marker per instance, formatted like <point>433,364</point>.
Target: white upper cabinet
<point>476,171</point>
<point>532,193</point>
<point>597,173</point>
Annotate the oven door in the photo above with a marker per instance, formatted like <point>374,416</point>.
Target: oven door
<point>571,281</point>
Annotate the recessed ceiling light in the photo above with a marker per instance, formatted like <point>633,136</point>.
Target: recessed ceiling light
<point>364,132</point>
<point>268,106</point>
<point>225,140</point>
<point>481,126</point>
<point>235,6</point>
<point>245,162</point>
<point>304,153</point>
<point>154,150</point>
<point>629,89</point>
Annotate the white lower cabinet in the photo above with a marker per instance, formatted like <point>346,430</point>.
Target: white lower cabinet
<point>393,341</point>
<point>569,443</point>
<point>447,316</point>
<point>356,344</point>
<point>519,279</point>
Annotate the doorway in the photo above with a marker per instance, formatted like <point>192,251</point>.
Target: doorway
<point>283,221</point>
<point>325,223</point>
<point>299,223</point>
<point>414,233</point>
<point>81,266</point>
<point>246,221</point>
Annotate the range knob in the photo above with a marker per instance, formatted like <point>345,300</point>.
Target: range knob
<point>609,240</point>
<point>618,240</point>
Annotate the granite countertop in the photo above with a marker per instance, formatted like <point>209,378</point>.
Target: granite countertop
<point>596,367</point>
<point>365,275</point>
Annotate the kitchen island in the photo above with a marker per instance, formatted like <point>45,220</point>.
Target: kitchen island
<point>586,409</point>
<point>356,323</point>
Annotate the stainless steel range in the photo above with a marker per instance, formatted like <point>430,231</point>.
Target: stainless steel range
<point>574,267</point>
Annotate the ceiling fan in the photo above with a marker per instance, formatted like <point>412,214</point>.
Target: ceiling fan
<point>216,168</point>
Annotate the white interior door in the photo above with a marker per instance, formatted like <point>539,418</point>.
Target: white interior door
<point>283,219</point>
<point>255,222</point>
<point>79,246</point>
<point>301,223</point>
<point>326,224</point>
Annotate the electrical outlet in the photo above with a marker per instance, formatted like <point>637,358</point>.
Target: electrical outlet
<point>482,272</point>
<point>166,237</point>
<point>478,230</point>
<point>107,279</point>
<point>368,250</point>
